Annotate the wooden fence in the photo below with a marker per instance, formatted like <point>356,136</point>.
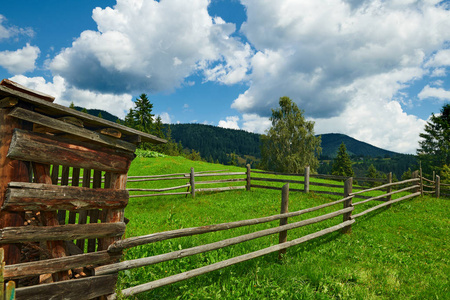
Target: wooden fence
<point>348,218</point>
<point>251,181</point>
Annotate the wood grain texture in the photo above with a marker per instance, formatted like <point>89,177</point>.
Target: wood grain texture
<point>23,196</point>
<point>60,232</point>
<point>28,146</point>
<point>85,288</point>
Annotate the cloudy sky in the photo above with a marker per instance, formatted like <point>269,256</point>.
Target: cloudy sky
<point>372,69</point>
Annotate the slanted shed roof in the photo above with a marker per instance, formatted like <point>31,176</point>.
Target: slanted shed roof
<point>43,105</point>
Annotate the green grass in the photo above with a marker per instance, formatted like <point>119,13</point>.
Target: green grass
<point>396,253</point>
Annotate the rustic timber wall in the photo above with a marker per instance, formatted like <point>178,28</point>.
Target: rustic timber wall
<point>54,231</point>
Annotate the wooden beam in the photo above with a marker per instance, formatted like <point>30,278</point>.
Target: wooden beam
<point>69,127</point>
<point>60,232</point>
<point>8,102</point>
<point>55,265</point>
<point>23,89</point>
<point>23,196</point>
<point>85,288</point>
<point>41,148</point>
<point>111,132</point>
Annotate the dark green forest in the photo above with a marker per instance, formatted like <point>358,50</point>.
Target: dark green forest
<point>230,146</point>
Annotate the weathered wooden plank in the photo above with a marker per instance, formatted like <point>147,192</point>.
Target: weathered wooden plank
<point>89,121</point>
<point>85,288</point>
<point>159,190</point>
<point>221,189</point>
<point>60,232</point>
<point>160,194</point>
<point>384,195</point>
<point>23,196</point>
<point>221,181</point>
<point>161,236</point>
<point>28,146</point>
<point>277,180</point>
<point>23,89</point>
<point>2,278</point>
<point>386,186</point>
<point>82,217</point>
<point>220,265</point>
<point>76,183</point>
<point>282,237</point>
<point>55,265</point>
<point>156,179</point>
<point>385,204</point>
<point>8,102</point>
<point>110,132</point>
<point>56,125</point>
<point>219,174</point>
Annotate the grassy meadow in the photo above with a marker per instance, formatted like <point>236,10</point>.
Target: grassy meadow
<point>400,252</point>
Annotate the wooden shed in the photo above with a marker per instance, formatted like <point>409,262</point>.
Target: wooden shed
<point>62,194</point>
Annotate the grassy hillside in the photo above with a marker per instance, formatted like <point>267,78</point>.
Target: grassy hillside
<point>396,253</point>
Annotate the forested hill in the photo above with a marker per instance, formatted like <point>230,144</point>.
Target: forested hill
<point>216,142</point>
<point>332,141</point>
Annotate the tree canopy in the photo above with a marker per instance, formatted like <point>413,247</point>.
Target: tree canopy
<point>434,151</point>
<point>342,165</point>
<point>290,145</point>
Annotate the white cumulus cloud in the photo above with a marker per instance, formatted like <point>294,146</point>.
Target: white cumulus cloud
<point>21,60</point>
<point>153,46</point>
<point>431,92</point>
<point>230,122</point>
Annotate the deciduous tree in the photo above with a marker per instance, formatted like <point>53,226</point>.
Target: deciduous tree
<point>290,144</point>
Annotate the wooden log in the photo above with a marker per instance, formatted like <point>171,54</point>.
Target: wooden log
<point>10,170</point>
<point>306,187</point>
<point>328,193</point>
<point>386,185</point>
<point>385,204</point>
<point>158,176</point>
<point>57,248</point>
<point>438,186</point>
<point>266,187</point>
<point>327,185</point>
<point>389,189</point>
<point>60,232</point>
<point>159,190</point>
<point>277,180</point>
<point>24,196</point>
<point>23,89</point>
<point>69,128</point>
<point>221,181</point>
<point>192,183</point>
<point>220,265</point>
<point>348,216</point>
<point>282,238</point>
<point>384,195</point>
<point>85,288</point>
<point>219,174</point>
<point>161,236</point>
<point>55,265</point>
<point>161,194</point>
<point>248,179</point>
<point>146,261</point>
<point>156,179</point>
<point>110,132</point>
<point>221,189</point>
<point>276,173</point>
<point>44,149</point>
<point>8,102</point>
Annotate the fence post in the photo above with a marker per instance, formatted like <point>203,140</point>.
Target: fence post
<point>307,179</point>
<point>10,292</point>
<point>389,188</point>
<point>421,182</point>
<point>192,182</point>
<point>438,186</point>
<point>2,267</point>
<point>348,189</point>
<point>284,221</point>
<point>248,178</point>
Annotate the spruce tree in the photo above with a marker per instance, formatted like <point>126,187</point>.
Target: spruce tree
<point>342,165</point>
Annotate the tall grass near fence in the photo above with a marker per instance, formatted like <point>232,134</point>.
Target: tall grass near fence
<point>382,258</point>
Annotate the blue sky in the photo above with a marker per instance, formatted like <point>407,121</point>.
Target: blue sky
<point>372,69</point>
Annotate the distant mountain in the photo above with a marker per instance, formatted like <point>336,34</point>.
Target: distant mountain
<point>332,141</point>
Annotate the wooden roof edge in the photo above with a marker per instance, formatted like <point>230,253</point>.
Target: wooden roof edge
<point>18,87</point>
<point>33,98</point>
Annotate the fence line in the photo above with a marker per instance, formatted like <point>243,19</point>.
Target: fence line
<point>345,225</point>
